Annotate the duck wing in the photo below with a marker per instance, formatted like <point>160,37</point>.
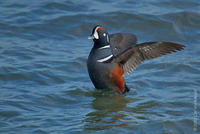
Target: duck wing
<point>134,55</point>
<point>119,42</point>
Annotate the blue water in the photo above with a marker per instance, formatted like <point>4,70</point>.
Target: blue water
<point>44,84</point>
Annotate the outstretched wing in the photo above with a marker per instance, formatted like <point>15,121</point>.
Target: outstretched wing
<point>130,58</point>
<point>121,41</point>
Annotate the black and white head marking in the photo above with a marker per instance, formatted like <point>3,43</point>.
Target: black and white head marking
<point>95,32</point>
<point>96,35</point>
<point>100,37</point>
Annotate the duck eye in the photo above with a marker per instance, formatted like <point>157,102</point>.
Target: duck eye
<point>104,34</point>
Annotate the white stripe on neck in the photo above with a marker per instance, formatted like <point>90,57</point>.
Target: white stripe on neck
<point>105,59</point>
<point>108,46</point>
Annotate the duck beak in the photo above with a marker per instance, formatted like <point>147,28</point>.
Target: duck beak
<point>91,37</point>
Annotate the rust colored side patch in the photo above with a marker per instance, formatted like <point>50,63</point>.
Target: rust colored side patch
<point>117,76</point>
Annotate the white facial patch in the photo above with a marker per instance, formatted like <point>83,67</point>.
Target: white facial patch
<point>104,34</point>
<point>96,36</point>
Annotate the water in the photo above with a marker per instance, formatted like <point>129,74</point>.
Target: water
<point>44,84</point>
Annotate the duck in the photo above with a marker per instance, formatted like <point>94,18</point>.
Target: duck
<point>114,55</point>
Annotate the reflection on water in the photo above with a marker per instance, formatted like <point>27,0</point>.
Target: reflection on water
<point>107,114</point>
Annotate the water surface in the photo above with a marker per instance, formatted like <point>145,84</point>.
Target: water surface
<point>44,84</point>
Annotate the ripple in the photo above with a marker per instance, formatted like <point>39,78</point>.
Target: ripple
<point>9,114</point>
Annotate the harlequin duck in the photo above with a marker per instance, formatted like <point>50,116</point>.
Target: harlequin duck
<point>114,55</point>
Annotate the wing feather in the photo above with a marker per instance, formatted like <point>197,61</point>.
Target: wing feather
<point>133,56</point>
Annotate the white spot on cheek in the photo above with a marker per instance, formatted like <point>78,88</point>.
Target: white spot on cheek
<point>104,34</point>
